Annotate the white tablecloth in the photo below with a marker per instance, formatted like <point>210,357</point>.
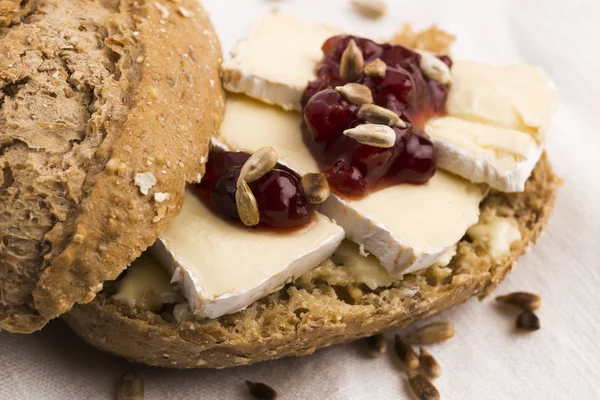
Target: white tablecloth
<point>486,359</point>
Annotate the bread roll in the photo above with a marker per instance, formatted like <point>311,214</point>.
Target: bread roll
<point>106,111</point>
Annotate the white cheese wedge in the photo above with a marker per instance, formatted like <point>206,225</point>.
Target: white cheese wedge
<point>224,267</point>
<point>483,98</point>
<point>249,124</point>
<point>500,157</point>
<point>496,126</point>
<point>146,285</point>
<point>407,227</point>
<point>276,62</point>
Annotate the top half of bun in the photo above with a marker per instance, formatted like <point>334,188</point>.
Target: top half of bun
<point>106,111</point>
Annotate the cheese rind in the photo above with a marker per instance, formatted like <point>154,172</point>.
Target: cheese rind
<point>406,226</point>
<point>498,234</point>
<point>224,267</point>
<point>277,60</point>
<point>500,157</point>
<point>146,285</point>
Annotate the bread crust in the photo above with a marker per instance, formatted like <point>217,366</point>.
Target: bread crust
<point>298,320</point>
<point>138,86</point>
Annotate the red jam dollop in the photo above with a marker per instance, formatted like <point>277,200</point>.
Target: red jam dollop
<point>279,195</point>
<point>351,167</point>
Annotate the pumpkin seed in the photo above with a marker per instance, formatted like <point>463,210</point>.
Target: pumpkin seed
<point>406,354</point>
<point>379,115</point>
<point>373,135</point>
<point>523,300</point>
<point>130,387</point>
<point>429,365</point>
<point>528,321</point>
<point>316,188</point>
<point>352,63</point>
<point>434,68</point>
<point>356,93</point>
<point>259,164</point>
<point>375,68</point>
<point>261,391</point>
<point>432,333</point>
<point>246,204</point>
<point>376,344</point>
<point>423,388</point>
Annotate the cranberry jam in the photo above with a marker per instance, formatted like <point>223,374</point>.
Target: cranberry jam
<point>279,195</point>
<point>353,168</point>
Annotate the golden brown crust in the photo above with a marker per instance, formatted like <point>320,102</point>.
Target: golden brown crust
<point>146,114</point>
<point>305,316</point>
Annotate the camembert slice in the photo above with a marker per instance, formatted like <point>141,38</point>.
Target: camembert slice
<point>223,267</point>
<point>276,62</point>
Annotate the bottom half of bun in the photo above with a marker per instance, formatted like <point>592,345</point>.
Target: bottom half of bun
<point>317,310</point>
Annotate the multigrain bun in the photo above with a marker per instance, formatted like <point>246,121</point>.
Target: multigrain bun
<point>106,111</point>
<point>316,310</point>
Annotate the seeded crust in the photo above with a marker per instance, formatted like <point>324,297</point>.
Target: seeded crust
<point>106,110</point>
<point>318,309</point>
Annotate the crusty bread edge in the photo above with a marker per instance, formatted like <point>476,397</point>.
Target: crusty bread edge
<point>151,340</point>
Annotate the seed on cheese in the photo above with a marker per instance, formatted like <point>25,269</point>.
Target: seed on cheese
<point>407,227</point>
<point>270,67</point>
<point>484,100</point>
<point>224,267</point>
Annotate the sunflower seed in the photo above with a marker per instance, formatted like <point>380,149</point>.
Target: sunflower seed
<point>356,93</point>
<point>316,188</point>
<point>406,354</point>
<point>423,388</point>
<point>523,300</point>
<point>259,163</point>
<point>246,204</point>
<point>434,68</point>
<point>429,365</point>
<point>379,115</point>
<point>528,321</point>
<point>376,345</point>
<point>375,68</point>
<point>130,387</point>
<point>371,8</point>
<point>352,63</point>
<point>432,333</point>
<point>373,135</point>
<point>261,391</point>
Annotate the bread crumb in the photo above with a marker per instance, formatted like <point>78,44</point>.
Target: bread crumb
<point>145,182</point>
<point>160,197</point>
<point>184,12</point>
<point>164,11</point>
